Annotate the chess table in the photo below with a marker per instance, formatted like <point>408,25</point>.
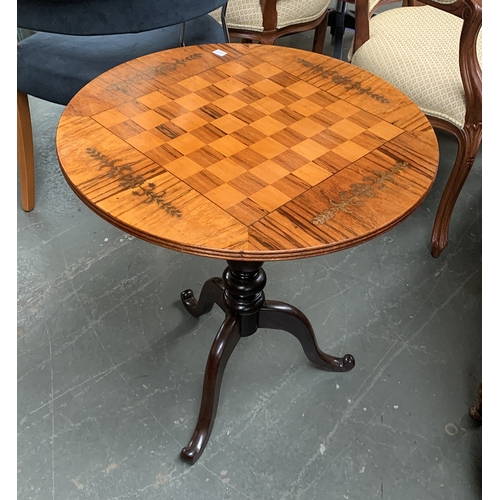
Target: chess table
<point>246,153</point>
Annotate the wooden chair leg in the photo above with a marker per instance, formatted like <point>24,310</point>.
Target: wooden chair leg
<point>25,155</point>
<point>320,34</point>
<point>338,29</point>
<point>476,411</point>
<point>468,146</point>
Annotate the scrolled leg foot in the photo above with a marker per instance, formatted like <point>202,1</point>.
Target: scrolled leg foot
<point>439,242</point>
<point>281,316</point>
<point>211,294</point>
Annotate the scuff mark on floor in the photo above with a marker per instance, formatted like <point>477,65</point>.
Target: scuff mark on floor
<point>112,465</point>
<point>77,483</point>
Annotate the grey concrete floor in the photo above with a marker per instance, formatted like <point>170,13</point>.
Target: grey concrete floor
<point>110,366</point>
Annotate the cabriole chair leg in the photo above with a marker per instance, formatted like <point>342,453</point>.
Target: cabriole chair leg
<point>468,146</point>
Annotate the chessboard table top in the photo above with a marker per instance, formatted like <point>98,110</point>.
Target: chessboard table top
<point>258,152</point>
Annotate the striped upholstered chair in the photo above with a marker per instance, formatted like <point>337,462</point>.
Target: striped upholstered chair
<point>267,20</point>
<point>433,54</point>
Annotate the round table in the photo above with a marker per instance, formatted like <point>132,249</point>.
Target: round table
<point>246,153</point>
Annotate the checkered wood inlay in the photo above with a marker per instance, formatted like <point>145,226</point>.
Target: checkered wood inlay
<point>254,133</point>
<point>249,139</point>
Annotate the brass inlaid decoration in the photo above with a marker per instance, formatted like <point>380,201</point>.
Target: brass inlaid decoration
<point>159,70</point>
<point>130,180</point>
<point>359,191</point>
<point>337,77</point>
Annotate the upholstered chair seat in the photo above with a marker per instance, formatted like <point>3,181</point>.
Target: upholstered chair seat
<point>247,14</point>
<point>265,21</point>
<point>436,33</point>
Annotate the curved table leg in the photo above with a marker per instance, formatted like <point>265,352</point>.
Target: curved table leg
<point>210,293</point>
<point>226,340</point>
<point>280,316</point>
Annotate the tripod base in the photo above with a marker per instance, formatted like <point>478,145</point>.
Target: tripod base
<point>240,295</point>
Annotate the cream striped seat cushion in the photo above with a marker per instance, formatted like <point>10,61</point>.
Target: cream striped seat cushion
<point>247,14</point>
<point>416,49</point>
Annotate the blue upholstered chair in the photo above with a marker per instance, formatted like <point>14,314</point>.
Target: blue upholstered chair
<point>76,40</point>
